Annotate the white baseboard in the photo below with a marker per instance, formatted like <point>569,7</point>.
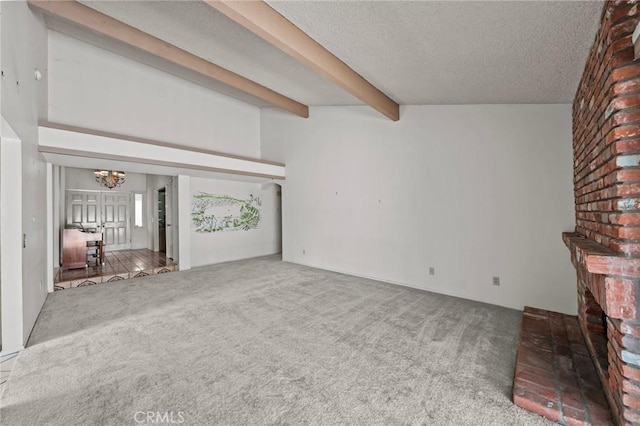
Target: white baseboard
<point>8,355</point>
<point>404,284</point>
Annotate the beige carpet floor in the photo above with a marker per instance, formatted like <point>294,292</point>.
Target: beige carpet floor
<point>262,342</point>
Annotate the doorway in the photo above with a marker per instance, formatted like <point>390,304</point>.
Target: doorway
<point>279,216</point>
<point>162,220</point>
<point>162,214</point>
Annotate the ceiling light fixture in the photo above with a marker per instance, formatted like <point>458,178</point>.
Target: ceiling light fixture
<point>109,178</point>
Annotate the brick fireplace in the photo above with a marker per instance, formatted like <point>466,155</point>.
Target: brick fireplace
<point>607,293</point>
<point>605,247</point>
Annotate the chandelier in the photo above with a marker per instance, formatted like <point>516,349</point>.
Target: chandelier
<point>109,178</point>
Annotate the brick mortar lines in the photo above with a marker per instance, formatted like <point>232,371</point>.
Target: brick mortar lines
<point>582,172</point>
<point>607,200</point>
<point>617,186</point>
<point>616,346</point>
<point>586,333</point>
<point>608,25</point>
<point>606,188</point>
<point>588,170</point>
<point>584,217</point>
<point>610,238</point>
<point>586,142</point>
<point>585,171</point>
<point>581,382</point>
<point>617,392</point>
<point>570,403</point>
<point>591,114</point>
<point>585,179</point>
<point>618,73</point>
<point>585,221</point>
<point>595,234</point>
<point>611,242</point>
<point>610,175</point>
<point>556,368</point>
<point>604,114</point>
<point>614,218</point>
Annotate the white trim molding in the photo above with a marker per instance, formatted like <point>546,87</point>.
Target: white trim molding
<point>184,223</point>
<point>11,303</point>
<point>59,141</point>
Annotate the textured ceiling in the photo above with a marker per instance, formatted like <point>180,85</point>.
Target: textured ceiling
<point>452,52</point>
<point>418,52</point>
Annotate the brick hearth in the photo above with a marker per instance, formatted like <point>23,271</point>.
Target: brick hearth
<point>554,375</point>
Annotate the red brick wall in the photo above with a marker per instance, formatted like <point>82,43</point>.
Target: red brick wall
<point>606,153</point>
<point>606,135</point>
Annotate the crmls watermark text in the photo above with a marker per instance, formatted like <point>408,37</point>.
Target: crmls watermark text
<point>159,417</point>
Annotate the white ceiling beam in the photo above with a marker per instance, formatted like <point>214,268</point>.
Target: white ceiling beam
<point>105,25</point>
<point>72,141</point>
<point>259,18</point>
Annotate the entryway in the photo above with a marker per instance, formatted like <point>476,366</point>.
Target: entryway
<point>102,212</point>
<point>107,235</point>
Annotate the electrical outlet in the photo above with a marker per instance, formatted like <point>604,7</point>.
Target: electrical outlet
<point>432,270</point>
<point>496,280</point>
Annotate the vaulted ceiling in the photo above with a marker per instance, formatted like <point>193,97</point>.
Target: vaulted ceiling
<point>457,52</point>
<point>420,52</point>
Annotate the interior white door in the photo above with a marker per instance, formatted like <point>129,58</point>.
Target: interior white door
<point>83,209</point>
<point>116,223</point>
<point>168,207</point>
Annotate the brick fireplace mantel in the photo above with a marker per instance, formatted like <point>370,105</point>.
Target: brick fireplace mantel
<point>611,278</point>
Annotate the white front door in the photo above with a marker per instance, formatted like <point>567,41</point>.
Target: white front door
<point>83,209</point>
<point>106,212</point>
<point>116,223</point>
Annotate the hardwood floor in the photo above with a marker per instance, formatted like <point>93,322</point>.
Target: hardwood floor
<point>119,265</point>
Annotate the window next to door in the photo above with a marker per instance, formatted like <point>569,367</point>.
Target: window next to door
<point>138,208</point>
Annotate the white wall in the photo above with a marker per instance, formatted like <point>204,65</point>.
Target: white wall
<point>216,247</point>
<point>94,88</point>
<point>183,242</point>
<point>24,48</point>
<point>58,211</point>
<point>11,310</point>
<point>474,191</point>
<point>84,179</point>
